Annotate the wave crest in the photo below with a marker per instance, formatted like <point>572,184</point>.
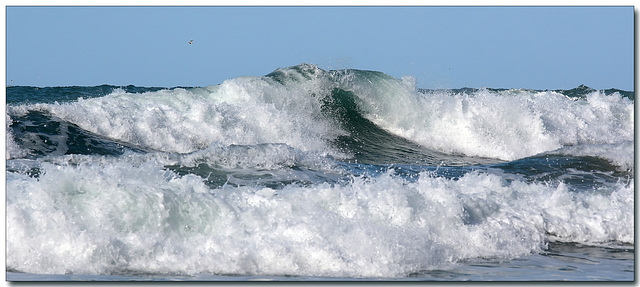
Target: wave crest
<point>337,112</point>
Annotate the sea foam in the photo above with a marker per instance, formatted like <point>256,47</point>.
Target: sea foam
<point>248,178</point>
<point>287,105</point>
<point>241,111</point>
<point>505,125</point>
<point>102,215</point>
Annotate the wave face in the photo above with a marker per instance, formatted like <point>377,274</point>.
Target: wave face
<point>307,172</point>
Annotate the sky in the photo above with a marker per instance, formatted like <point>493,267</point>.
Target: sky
<point>442,47</point>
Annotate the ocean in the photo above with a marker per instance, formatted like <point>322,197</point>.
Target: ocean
<point>322,175</point>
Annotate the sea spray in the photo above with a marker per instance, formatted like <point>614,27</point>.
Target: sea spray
<point>119,217</point>
<point>306,172</point>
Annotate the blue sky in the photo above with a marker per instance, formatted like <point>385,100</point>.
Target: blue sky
<point>442,47</point>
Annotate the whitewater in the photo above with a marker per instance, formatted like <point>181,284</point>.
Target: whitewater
<point>312,174</point>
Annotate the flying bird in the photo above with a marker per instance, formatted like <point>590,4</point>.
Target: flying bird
<point>190,41</point>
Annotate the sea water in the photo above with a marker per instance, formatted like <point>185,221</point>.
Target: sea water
<point>308,174</point>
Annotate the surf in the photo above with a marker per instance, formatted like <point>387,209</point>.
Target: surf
<point>350,113</point>
<point>311,172</point>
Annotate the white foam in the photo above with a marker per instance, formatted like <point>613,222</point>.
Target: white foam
<point>286,109</point>
<point>619,154</point>
<point>244,111</point>
<point>506,125</point>
<point>100,215</point>
<point>263,156</point>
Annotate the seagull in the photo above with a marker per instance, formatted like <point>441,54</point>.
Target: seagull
<point>190,42</point>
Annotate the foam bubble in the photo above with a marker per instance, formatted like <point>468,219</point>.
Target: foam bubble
<point>242,111</point>
<point>159,211</point>
<point>619,154</point>
<point>100,215</point>
<point>505,125</point>
<point>286,107</point>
